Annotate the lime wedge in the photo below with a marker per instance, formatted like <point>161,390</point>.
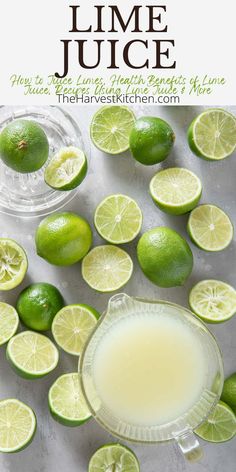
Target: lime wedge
<point>210,228</point>
<point>67,169</point>
<point>111,127</point>
<point>220,426</point>
<point>9,321</point>
<point>17,425</point>
<point>176,190</point>
<point>107,268</point>
<point>13,264</point>
<point>113,458</point>
<point>66,402</point>
<point>72,326</point>
<point>32,355</point>
<point>212,135</point>
<point>213,301</point>
<point>118,219</point>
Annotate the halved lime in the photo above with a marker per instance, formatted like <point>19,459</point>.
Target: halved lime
<point>66,402</point>
<point>110,128</point>
<point>13,264</point>
<point>118,219</point>
<point>72,326</point>
<point>32,355</point>
<point>220,426</point>
<point>212,134</point>
<point>210,228</point>
<point>176,190</point>
<point>67,169</point>
<point>114,458</point>
<point>213,301</point>
<point>9,321</point>
<point>107,268</point>
<point>17,425</point>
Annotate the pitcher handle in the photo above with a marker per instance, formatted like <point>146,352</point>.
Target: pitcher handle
<point>189,446</point>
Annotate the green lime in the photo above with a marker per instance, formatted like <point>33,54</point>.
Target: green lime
<point>113,458</point>
<point>24,146</point>
<point>210,228</point>
<point>151,140</point>
<point>32,355</point>
<point>37,305</point>
<point>213,301</point>
<point>212,134</point>
<point>9,321</point>
<point>110,128</point>
<point>67,169</point>
<point>17,425</point>
<point>63,238</point>
<point>176,190</point>
<point>118,219</point>
<point>107,268</point>
<point>229,391</point>
<point>220,426</point>
<point>165,257</point>
<point>13,264</point>
<point>72,326</point>
<point>66,401</point>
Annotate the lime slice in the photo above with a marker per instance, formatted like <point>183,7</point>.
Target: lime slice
<point>213,301</point>
<point>176,190</point>
<point>210,228</point>
<point>118,219</point>
<point>111,127</point>
<point>13,264</point>
<point>220,426</point>
<point>113,458</point>
<point>72,326</point>
<point>67,169</point>
<point>9,321</point>
<point>212,135</point>
<point>17,425</point>
<point>66,402</point>
<point>107,268</point>
<point>32,355</point>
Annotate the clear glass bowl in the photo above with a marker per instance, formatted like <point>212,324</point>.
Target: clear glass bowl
<point>27,195</point>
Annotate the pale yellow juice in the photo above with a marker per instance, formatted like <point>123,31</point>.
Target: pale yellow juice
<point>149,368</point>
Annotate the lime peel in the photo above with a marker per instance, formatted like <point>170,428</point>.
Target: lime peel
<point>13,264</point>
<point>67,169</point>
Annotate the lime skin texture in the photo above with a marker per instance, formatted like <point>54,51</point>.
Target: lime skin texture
<point>229,392</point>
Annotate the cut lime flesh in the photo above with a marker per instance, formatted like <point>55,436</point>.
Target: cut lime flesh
<point>213,301</point>
<point>13,264</point>
<point>9,321</point>
<point>17,425</point>
<point>67,169</point>
<point>118,219</point>
<point>72,326</point>
<point>220,426</point>
<point>111,127</point>
<point>176,190</point>
<point>113,458</point>
<point>107,268</point>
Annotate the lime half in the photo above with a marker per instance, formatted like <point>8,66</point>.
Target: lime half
<point>67,169</point>
<point>213,301</point>
<point>176,190</point>
<point>210,228</point>
<point>9,322</point>
<point>13,264</point>
<point>111,127</point>
<point>32,355</point>
<point>17,425</point>
<point>220,426</point>
<point>107,268</point>
<point>66,402</point>
<point>212,135</point>
<point>114,458</point>
<point>118,219</point>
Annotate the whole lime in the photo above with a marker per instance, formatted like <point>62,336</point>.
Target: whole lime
<point>229,391</point>
<point>37,305</point>
<point>63,238</point>
<point>24,146</point>
<point>151,140</point>
<point>165,257</point>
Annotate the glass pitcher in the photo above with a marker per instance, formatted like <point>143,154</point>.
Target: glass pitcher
<point>181,429</point>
